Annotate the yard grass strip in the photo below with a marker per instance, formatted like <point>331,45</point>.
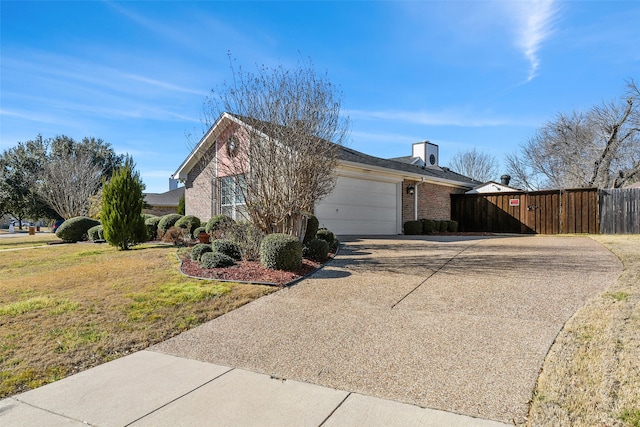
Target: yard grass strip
<point>85,304</point>
<point>591,375</point>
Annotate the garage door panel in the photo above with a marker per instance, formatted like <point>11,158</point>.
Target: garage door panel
<point>359,206</point>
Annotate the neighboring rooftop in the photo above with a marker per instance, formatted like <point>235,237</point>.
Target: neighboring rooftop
<point>170,198</point>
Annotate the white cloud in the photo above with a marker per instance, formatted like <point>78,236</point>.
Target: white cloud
<point>534,24</point>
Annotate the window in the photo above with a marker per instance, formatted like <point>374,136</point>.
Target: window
<point>232,196</point>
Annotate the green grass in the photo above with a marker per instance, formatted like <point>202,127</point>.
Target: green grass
<point>631,417</point>
<point>56,306</point>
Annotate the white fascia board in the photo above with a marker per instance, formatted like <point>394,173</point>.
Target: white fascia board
<point>346,165</point>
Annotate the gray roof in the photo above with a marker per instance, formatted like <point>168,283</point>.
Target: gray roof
<point>170,198</point>
<point>350,155</point>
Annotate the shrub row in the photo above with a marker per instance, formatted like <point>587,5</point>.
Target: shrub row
<point>429,226</point>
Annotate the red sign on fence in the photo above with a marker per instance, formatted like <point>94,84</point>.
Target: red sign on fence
<point>514,202</point>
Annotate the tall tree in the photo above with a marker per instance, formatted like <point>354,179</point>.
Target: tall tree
<point>20,167</point>
<point>286,162</point>
<point>598,148</point>
<point>475,164</point>
<point>122,202</point>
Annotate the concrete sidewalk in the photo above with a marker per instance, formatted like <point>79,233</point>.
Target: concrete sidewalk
<point>154,389</point>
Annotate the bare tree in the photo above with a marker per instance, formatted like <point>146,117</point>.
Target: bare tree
<point>480,166</point>
<point>283,159</point>
<point>599,148</point>
<point>68,182</point>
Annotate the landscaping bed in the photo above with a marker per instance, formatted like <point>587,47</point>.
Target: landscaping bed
<point>248,271</point>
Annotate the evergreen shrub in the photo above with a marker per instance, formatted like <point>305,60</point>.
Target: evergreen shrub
<point>76,229</point>
<point>215,260</point>
<point>281,252</point>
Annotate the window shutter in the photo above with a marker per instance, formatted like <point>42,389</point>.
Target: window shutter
<point>215,193</point>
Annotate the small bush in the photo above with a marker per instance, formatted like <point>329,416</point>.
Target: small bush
<point>334,246</point>
<point>452,226</point>
<point>218,222</point>
<point>189,223</point>
<point>152,226</point>
<point>281,252</point>
<point>428,226</point>
<point>75,229</point>
<point>96,233</point>
<point>166,222</point>
<point>312,228</point>
<point>226,247</point>
<point>199,249</point>
<point>326,235</point>
<point>175,235</point>
<point>147,216</point>
<point>442,226</point>
<point>197,231</point>
<point>413,227</point>
<point>215,260</point>
<point>316,250</point>
<point>247,236</point>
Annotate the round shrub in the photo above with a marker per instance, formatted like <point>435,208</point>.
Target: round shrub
<point>326,235</point>
<point>312,228</point>
<point>197,231</point>
<point>413,227</point>
<point>334,246</point>
<point>199,249</point>
<point>189,223</point>
<point>428,226</point>
<point>316,249</point>
<point>442,226</point>
<point>281,252</point>
<point>96,233</point>
<point>226,247</point>
<point>152,226</point>
<point>147,216</point>
<point>218,222</point>
<point>215,260</point>
<point>167,221</point>
<point>75,229</point>
<point>452,226</point>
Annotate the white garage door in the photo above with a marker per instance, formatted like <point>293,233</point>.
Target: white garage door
<point>359,206</point>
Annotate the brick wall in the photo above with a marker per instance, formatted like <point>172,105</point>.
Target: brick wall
<point>434,201</point>
<point>200,196</point>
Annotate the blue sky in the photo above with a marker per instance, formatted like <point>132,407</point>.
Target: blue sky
<point>461,74</point>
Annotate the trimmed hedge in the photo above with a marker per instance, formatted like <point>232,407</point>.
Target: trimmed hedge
<point>199,249</point>
<point>452,226</point>
<point>76,229</point>
<point>442,225</point>
<point>167,221</point>
<point>326,235</point>
<point>316,250</point>
<point>312,228</point>
<point>428,226</point>
<point>281,252</point>
<point>152,226</point>
<point>217,222</point>
<point>227,247</point>
<point>96,233</point>
<point>189,223</point>
<point>413,227</point>
<point>215,260</point>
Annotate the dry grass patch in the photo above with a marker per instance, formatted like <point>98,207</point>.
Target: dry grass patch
<point>591,376</point>
<point>25,240</point>
<point>70,307</point>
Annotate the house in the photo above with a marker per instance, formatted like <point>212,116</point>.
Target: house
<point>164,203</point>
<point>494,187</point>
<point>372,196</point>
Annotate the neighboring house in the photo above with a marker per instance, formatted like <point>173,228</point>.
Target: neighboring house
<point>163,203</point>
<point>372,195</point>
<point>494,187</point>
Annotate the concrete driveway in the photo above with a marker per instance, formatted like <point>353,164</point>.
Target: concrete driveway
<point>461,324</point>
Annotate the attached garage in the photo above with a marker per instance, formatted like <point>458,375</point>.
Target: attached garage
<point>362,207</point>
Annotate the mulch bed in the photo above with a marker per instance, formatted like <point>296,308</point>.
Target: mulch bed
<point>249,271</point>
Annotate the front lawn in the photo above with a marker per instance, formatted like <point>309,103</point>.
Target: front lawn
<point>65,308</point>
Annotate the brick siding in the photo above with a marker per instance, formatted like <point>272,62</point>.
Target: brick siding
<point>434,201</point>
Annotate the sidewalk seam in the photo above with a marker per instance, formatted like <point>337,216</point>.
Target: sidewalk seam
<point>334,410</point>
<point>50,411</point>
<point>179,397</point>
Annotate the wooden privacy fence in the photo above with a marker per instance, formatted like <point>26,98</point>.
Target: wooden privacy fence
<point>620,211</point>
<point>541,212</point>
